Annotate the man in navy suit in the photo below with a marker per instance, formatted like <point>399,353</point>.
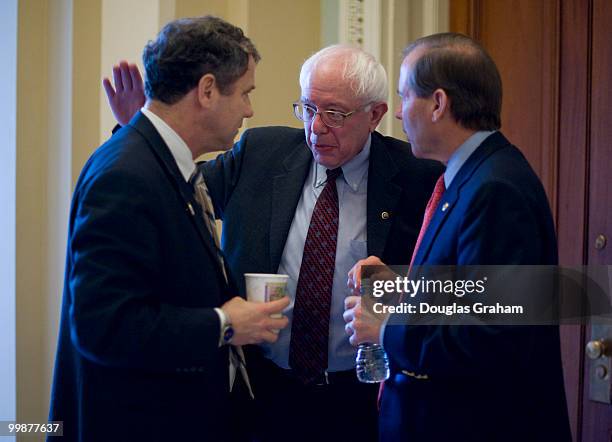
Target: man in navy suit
<point>150,316</point>
<point>468,383</point>
<point>265,190</point>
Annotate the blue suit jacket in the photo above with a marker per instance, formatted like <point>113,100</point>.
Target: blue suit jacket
<point>138,355</point>
<point>480,383</point>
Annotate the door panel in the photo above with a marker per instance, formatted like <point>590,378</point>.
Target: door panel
<point>555,59</point>
<point>571,214</point>
<point>597,416</point>
<point>520,36</point>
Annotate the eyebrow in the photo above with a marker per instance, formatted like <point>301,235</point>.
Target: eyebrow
<point>330,106</point>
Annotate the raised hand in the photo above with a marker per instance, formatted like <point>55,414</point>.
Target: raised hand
<point>127,97</point>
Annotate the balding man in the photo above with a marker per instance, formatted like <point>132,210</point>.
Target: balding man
<point>469,383</point>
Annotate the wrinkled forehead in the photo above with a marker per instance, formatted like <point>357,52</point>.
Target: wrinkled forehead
<point>326,72</point>
<point>325,85</point>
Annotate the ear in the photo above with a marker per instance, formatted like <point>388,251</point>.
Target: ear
<point>207,90</point>
<point>441,105</point>
<point>376,113</point>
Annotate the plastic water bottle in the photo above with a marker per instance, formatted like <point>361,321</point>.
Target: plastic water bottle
<point>372,363</point>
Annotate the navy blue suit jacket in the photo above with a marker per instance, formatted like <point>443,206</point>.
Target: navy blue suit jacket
<point>257,185</point>
<point>138,355</point>
<point>480,383</point>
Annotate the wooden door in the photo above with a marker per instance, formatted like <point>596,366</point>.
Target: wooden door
<point>597,417</point>
<point>555,59</point>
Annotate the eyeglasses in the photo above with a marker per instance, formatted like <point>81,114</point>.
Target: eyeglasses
<point>307,113</point>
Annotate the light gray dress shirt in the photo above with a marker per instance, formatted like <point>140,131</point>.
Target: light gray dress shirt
<point>351,247</point>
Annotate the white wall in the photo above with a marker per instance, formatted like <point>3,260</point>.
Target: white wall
<point>8,111</point>
<point>57,128</point>
<point>58,187</point>
<point>126,27</point>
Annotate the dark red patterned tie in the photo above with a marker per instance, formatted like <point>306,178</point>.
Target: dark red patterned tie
<point>430,210</point>
<point>310,326</point>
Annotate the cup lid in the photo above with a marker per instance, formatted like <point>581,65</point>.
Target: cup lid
<point>265,275</point>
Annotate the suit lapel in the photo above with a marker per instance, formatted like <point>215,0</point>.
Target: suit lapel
<point>142,125</point>
<point>452,194</point>
<point>286,192</point>
<point>383,196</point>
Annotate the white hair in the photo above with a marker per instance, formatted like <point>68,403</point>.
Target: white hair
<point>366,77</point>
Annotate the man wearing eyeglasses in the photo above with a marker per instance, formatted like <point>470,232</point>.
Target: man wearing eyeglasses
<point>266,190</point>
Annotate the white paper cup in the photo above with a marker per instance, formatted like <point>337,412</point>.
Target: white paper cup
<point>265,287</point>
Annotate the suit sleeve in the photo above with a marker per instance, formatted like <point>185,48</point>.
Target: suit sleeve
<point>499,228</point>
<point>222,174</point>
<point>115,252</point>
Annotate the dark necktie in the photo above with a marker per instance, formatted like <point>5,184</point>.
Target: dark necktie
<point>310,326</point>
<point>203,198</point>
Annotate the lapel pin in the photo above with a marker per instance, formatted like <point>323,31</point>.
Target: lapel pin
<point>444,207</point>
<point>190,207</point>
<point>385,215</point>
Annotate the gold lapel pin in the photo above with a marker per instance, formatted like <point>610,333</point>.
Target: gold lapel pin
<point>190,207</point>
<point>385,215</point>
<point>444,207</point>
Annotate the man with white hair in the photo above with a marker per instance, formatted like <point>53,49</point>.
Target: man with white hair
<point>364,194</point>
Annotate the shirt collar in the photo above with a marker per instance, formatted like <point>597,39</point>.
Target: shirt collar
<point>353,170</point>
<point>178,148</point>
<point>460,156</point>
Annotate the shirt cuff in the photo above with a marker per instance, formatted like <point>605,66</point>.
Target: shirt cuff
<point>222,323</point>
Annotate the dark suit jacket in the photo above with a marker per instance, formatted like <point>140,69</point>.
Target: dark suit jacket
<point>257,185</point>
<point>484,383</point>
<point>138,355</point>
